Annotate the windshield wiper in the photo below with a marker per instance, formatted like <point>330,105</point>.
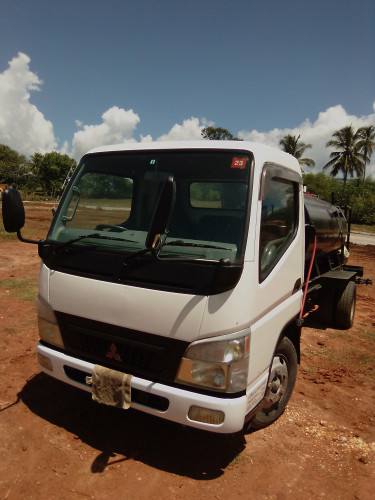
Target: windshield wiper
<point>103,237</point>
<point>93,235</point>
<point>135,254</point>
<point>174,243</point>
<point>182,243</point>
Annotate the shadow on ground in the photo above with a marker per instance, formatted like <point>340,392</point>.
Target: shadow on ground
<point>134,435</point>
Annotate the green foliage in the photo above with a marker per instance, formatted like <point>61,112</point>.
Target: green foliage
<point>49,171</point>
<point>322,186</point>
<point>204,191</point>
<point>292,145</point>
<point>23,289</point>
<point>363,207</point>
<point>4,234</point>
<point>43,172</point>
<point>94,185</point>
<point>359,194</point>
<point>13,167</point>
<point>348,157</point>
<point>369,334</point>
<point>353,150</point>
<point>366,144</point>
<point>363,228</point>
<point>218,134</point>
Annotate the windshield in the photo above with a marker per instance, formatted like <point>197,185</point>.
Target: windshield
<point>110,203</point>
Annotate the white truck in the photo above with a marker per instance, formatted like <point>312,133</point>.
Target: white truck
<point>175,278</point>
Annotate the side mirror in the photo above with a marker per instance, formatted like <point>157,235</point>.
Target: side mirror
<point>14,214</point>
<point>161,215</point>
<point>13,211</point>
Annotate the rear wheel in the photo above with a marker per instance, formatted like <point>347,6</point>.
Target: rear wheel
<point>280,386</point>
<point>345,308</point>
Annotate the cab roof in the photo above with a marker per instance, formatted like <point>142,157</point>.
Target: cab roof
<point>262,153</point>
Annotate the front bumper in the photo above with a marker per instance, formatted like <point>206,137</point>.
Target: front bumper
<point>172,403</point>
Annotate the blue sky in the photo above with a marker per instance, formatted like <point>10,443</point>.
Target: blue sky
<point>257,68</point>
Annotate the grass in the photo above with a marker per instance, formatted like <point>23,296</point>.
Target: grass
<point>348,358</point>
<point>363,228</point>
<point>343,355</point>
<point>310,369</point>
<point>369,334</point>
<point>11,331</point>
<point>24,289</point>
<point>339,334</point>
<point>7,236</point>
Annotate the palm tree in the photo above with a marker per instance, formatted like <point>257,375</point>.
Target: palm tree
<point>348,157</point>
<point>292,145</point>
<point>366,144</point>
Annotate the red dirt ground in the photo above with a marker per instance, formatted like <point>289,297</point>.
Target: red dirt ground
<point>55,443</point>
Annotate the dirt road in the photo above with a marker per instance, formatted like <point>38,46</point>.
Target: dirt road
<point>362,238</point>
<point>55,443</point>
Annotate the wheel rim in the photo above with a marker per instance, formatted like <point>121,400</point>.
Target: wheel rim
<point>278,381</point>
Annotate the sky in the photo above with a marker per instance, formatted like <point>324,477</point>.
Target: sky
<point>84,73</point>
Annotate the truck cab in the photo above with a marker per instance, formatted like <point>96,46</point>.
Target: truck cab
<point>174,272</point>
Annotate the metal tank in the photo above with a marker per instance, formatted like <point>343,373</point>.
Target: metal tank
<point>330,227</point>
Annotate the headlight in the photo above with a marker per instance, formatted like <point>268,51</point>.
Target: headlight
<point>48,328</point>
<point>218,365</point>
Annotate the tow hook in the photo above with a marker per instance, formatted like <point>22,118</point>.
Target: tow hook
<point>360,281</point>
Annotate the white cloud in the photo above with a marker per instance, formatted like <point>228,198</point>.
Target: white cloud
<point>189,130</point>
<point>118,126</point>
<point>317,134</point>
<point>65,148</point>
<point>146,138</point>
<point>22,126</point>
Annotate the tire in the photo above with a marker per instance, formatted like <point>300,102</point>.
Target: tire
<point>345,307</point>
<point>280,385</point>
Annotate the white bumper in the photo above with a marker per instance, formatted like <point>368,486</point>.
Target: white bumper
<point>180,400</point>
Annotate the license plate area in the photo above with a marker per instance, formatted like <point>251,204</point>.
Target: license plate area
<point>110,387</point>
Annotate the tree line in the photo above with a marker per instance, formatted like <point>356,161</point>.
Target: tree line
<point>359,194</point>
<point>41,173</point>
<point>353,149</point>
<point>352,153</point>
<point>45,173</point>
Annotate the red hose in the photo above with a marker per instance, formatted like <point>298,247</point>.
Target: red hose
<point>308,278</point>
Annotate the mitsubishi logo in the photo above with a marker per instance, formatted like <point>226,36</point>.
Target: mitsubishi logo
<point>112,354</point>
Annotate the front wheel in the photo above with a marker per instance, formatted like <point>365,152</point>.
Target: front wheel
<point>280,385</point>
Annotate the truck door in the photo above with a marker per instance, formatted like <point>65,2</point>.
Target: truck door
<point>280,259</point>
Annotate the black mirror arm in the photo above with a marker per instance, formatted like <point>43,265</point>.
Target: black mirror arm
<point>158,245</point>
<point>160,218</point>
<point>26,240</point>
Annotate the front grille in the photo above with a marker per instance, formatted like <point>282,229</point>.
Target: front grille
<point>130,351</point>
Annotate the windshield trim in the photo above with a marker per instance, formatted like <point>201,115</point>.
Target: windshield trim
<point>130,255</point>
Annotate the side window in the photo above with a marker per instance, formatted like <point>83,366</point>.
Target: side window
<point>225,195</point>
<point>219,211</point>
<point>278,223</point>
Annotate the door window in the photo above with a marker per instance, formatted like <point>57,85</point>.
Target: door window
<point>278,223</point>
